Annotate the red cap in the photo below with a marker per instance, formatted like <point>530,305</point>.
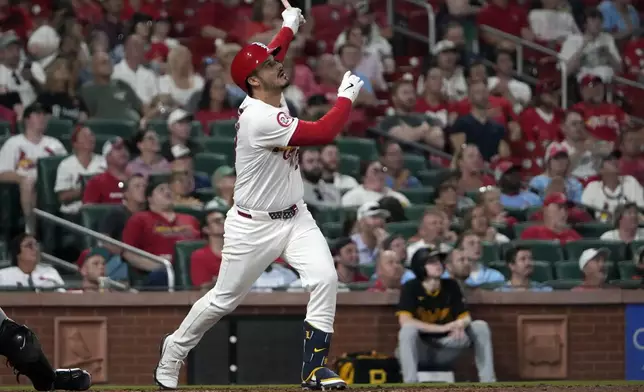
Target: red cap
<point>555,148</point>
<point>247,60</point>
<point>545,86</point>
<point>590,80</point>
<point>555,198</point>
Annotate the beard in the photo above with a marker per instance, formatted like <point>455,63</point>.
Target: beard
<point>312,176</point>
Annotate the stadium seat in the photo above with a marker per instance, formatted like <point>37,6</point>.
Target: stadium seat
<point>568,270</point>
<point>541,249</point>
<point>422,195</point>
<point>491,252</point>
<point>182,252</point>
<point>367,270</point>
<point>500,266</point>
<point>563,284</point>
<point>103,126</point>
<point>519,227</point>
<point>3,250</point>
<point>5,128</point>
<point>161,128</point>
<point>363,148</point>
<point>432,178</point>
<point>626,269</point>
<point>220,145</point>
<point>47,198</point>
<point>542,271</point>
<point>332,229</point>
<point>407,229</point>
<point>631,284</point>
<point>634,246</point>
<point>329,214</point>
<point>517,213</point>
<point>349,164</point>
<point>593,229</point>
<point>58,127</point>
<point>417,211</point>
<point>91,215</point>
<point>415,163</point>
<point>223,128</point>
<point>10,218</point>
<point>617,249</point>
<point>205,194</point>
<point>209,162</point>
<point>197,213</point>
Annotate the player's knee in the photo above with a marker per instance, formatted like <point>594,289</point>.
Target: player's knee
<point>481,329</point>
<point>328,278</point>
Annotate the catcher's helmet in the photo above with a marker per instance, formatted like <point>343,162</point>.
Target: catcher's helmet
<point>247,60</point>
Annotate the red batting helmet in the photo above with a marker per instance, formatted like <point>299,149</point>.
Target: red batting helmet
<point>247,60</point>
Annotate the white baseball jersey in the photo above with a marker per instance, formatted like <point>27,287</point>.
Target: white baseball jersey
<point>68,177</point>
<point>20,155</point>
<point>268,173</point>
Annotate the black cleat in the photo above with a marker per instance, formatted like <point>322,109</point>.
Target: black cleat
<point>72,380</point>
<point>324,379</point>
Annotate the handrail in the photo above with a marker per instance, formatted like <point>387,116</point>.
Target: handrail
<point>102,237</point>
<point>430,39</point>
<point>60,263</point>
<point>539,48</point>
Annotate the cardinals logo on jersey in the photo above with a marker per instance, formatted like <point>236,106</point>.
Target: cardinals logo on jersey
<point>25,163</point>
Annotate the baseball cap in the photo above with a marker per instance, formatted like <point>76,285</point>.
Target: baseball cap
<point>95,251</point>
<point>111,144</point>
<point>179,115</point>
<point>555,198</point>
<point>589,79</point>
<point>443,46</point>
<point>35,107</point>
<point>179,151</point>
<point>554,149</point>
<point>372,208</point>
<point>248,59</point>
<point>223,171</point>
<point>503,168</point>
<point>590,254</point>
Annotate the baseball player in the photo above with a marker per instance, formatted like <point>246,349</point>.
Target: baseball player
<point>269,218</point>
<point>23,352</point>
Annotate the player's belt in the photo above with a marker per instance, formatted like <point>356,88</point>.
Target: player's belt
<point>282,215</point>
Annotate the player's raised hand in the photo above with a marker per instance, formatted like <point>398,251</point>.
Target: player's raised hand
<point>350,86</point>
<point>292,18</point>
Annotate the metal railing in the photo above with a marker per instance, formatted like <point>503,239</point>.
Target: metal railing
<point>60,263</point>
<point>430,38</point>
<point>103,238</point>
<point>539,48</point>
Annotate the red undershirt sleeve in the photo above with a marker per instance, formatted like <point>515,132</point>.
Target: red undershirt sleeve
<point>323,131</point>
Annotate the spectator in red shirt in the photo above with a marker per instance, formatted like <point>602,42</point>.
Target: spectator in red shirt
<point>345,256</point>
<point>219,19</point>
<point>432,101</point>
<point>156,231</point>
<point>632,161</point>
<point>506,16</point>
<point>107,187</point>
<point>554,227</point>
<point>604,120</point>
<point>205,262</point>
<point>469,163</point>
<point>214,104</point>
<point>15,18</point>
<point>389,271</point>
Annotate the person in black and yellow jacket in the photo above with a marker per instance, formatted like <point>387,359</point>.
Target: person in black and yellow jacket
<point>435,323</point>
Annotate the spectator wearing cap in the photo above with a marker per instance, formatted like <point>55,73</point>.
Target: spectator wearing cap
<point>181,81</point>
<point>156,231</point>
<point>506,16</point>
<point>214,104</point>
<point>612,189</point>
<point>593,51</point>
<point>179,125</point>
<point>58,95</point>
<point>470,165</point>
<point>389,272</point>
<point>432,101</point>
<point>554,225</point>
<point>131,71</point>
<point>18,74</point>
<point>435,322</point>
<point>583,150</point>
<point>508,176</point>
<point>373,187</point>
<point>149,159</point>
<point>592,264</point>
<point>83,162</point>
<point>620,18</point>
<point>550,24</point>
<point>454,82</point>
<point>317,193</point>
<point>575,214</point>
<point>19,156</point>
<point>205,262</point>
<point>347,261</point>
<point>183,162</point>
<point>433,230</point>
<point>371,233</point>
<point>107,98</point>
<point>519,260</point>
<point>470,243</point>
<point>26,269</point>
<point>604,120</point>
<point>631,145</point>
<point>93,268</point>
<point>626,221</point>
<point>476,221</point>
<point>330,175</point>
<point>505,85</point>
<point>557,164</point>
<point>107,187</point>
<point>223,182</point>
<point>392,157</point>
<point>478,128</point>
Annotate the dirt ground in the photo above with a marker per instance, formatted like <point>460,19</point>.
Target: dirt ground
<point>536,388</point>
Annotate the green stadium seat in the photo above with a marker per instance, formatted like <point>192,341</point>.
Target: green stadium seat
<point>209,162</point>
<point>542,271</point>
<point>349,164</point>
<point>407,229</point>
<point>332,229</point>
<point>563,284</point>
<point>197,213</point>
<point>103,126</point>
<point>422,195</point>
<point>414,163</point>
<point>568,270</point>
<point>531,211</point>
<point>359,286</point>
<point>500,266</point>
<point>541,249</point>
<point>363,148</point>
<point>503,229</point>
<point>205,195</point>
<point>432,178</point>
<point>223,128</point>
<point>626,269</point>
<point>5,128</point>
<point>91,216</point>
<point>47,198</point>
<point>219,145</point>
<point>519,227</point>
<point>617,249</point>
<point>634,246</point>
<point>367,270</point>
<point>10,218</point>
<point>517,213</point>
<point>417,211</point>
<point>593,229</point>
<point>160,126</point>
<point>57,127</point>
<point>491,252</point>
<point>182,252</point>
<point>329,214</point>
<point>627,284</point>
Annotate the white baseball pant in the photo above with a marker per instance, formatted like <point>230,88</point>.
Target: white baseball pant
<point>250,246</point>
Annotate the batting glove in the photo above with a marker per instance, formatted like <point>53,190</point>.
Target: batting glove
<point>350,86</point>
<point>292,18</point>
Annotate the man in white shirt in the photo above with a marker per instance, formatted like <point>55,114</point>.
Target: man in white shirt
<point>19,156</point>
<point>82,162</point>
<point>317,193</point>
<point>17,74</point>
<point>26,270</point>
<point>583,150</point>
<point>330,175</point>
<point>373,187</point>
<point>131,71</point>
<point>594,52</point>
<point>454,83</point>
<point>504,84</point>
